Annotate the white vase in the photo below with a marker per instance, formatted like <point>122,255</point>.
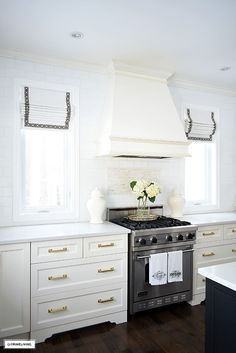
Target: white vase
<point>96,206</point>
<point>176,203</point>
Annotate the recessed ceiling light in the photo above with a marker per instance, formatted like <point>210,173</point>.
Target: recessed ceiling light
<point>77,35</point>
<point>225,68</point>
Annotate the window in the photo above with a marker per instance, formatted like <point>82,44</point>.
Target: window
<point>201,176</point>
<point>201,172</point>
<point>46,172</point>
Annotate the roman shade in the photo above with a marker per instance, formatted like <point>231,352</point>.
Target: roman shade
<point>200,124</point>
<point>46,108</point>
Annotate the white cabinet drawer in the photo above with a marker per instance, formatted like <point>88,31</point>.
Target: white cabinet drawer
<point>56,250</point>
<point>68,275</point>
<point>230,231</point>
<point>210,233</point>
<point>111,244</point>
<point>207,254</point>
<point>79,305</point>
<point>215,253</point>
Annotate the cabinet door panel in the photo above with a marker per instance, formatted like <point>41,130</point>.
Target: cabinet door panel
<point>14,289</point>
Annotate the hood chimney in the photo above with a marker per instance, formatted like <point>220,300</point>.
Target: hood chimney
<point>141,120</point>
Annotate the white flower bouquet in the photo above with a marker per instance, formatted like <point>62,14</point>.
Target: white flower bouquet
<point>145,190</point>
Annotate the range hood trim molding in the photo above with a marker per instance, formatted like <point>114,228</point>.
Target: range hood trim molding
<point>120,147</point>
<point>152,141</point>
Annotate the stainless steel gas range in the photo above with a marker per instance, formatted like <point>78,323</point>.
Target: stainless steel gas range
<point>151,237</point>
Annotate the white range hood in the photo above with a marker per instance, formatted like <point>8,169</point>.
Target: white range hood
<point>140,118</point>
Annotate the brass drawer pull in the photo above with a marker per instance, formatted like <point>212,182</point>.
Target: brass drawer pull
<point>106,270</point>
<point>57,310</point>
<point>208,233</point>
<point>233,250</point>
<point>234,230</point>
<point>56,278</point>
<point>208,254</point>
<point>101,301</point>
<point>58,250</point>
<point>105,245</point>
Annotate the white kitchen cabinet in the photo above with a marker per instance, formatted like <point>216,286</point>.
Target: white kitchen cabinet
<point>215,244</point>
<point>77,283</point>
<point>14,289</point>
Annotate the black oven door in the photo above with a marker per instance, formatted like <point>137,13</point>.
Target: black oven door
<point>142,290</point>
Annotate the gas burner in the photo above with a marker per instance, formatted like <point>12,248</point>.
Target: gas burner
<point>160,222</point>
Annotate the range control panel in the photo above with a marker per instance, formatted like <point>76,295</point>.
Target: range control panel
<point>166,238</point>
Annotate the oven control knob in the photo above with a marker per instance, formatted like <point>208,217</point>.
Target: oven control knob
<point>154,240</point>
<point>180,237</point>
<point>190,236</point>
<point>142,241</point>
<point>169,237</point>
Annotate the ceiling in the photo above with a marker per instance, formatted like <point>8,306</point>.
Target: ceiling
<point>191,38</point>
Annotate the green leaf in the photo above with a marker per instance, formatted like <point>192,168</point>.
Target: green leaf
<point>132,184</point>
<point>152,199</point>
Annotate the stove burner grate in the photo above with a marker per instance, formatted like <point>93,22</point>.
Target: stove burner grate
<point>160,222</point>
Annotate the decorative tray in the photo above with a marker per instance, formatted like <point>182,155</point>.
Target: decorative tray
<point>140,218</point>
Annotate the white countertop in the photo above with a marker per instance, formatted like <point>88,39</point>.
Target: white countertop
<point>207,219</point>
<point>223,274</point>
<point>57,231</point>
<point>84,229</point>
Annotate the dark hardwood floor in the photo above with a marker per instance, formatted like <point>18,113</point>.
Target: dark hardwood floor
<point>174,329</point>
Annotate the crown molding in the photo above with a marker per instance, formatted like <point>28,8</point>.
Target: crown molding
<point>70,64</point>
<point>119,67</point>
<point>201,86</point>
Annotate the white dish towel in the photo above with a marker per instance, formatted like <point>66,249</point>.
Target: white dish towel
<point>158,269</point>
<point>175,266</point>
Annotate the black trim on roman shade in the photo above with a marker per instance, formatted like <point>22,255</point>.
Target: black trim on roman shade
<point>44,108</point>
<point>200,125</point>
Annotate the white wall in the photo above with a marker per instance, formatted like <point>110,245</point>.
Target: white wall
<point>111,175</point>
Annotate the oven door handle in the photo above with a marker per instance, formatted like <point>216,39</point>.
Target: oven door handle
<point>148,256</point>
